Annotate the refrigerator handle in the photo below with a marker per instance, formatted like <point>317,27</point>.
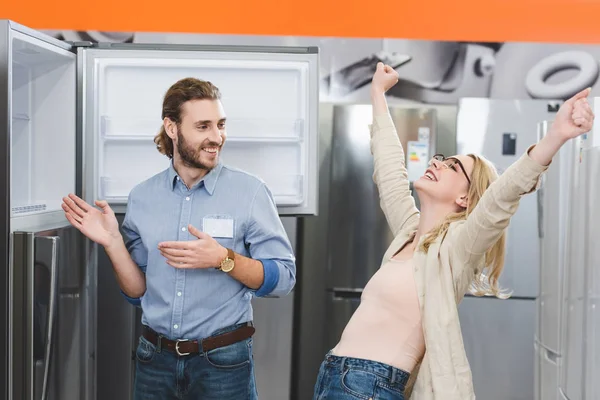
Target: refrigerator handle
<point>22,358</point>
<point>540,208</point>
<point>51,312</point>
<point>542,128</point>
<point>550,356</point>
<point>26,247</point>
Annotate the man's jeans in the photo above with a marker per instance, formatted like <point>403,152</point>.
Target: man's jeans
<point>226,373</point>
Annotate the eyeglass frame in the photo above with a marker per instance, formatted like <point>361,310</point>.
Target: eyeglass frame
<point>456,160</point>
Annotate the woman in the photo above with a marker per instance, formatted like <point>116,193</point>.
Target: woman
<point>407,325</point>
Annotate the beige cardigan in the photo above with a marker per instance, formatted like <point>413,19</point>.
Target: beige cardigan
<point>444,274</point>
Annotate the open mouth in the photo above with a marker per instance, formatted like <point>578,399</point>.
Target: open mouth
<point>211,150</point>
<point>430,175</point>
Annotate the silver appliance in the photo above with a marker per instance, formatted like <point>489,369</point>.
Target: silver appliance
<point>48,295</point>
<point>80,118</point>
<point>339,250</point>
<point>499,334</point>
<point>568,339</point>
<point>555,215</point>
<point>358,234</point>
<point>52,346</point>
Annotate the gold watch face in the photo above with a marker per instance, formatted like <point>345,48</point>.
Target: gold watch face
<point>227,265</point>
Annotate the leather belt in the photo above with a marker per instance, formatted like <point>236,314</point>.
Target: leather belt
<point>184,347</point>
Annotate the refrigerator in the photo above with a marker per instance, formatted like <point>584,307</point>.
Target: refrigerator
<point>357,232</point>
<point>499,335</point>
<point>81,117</point>
<point>336,254</point>
<point>571,372</point>
<point>555,197</point>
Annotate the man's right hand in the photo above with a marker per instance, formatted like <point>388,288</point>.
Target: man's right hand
<point>99,225</point>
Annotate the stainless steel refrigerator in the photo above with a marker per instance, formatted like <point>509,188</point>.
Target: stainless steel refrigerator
<point>499,334</point>
<point>80,118</point>
<point>568,331</point>
<point>555,216</point>
<point>357,232</point>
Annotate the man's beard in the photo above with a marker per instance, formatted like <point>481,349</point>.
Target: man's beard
<point>191,157</point>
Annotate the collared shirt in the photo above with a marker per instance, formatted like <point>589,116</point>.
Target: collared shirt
<point>193,303</point>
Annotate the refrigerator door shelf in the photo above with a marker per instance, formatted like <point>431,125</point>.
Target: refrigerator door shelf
<point>287,186</point>
<point>270,98</point>
<point>41,124</point>
<point>244,130</point>
<point>285,189</point>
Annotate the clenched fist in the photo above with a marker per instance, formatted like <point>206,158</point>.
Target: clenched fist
<point>384,78</point>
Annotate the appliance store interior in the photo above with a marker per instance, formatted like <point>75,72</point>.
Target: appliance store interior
<point>80,110</point>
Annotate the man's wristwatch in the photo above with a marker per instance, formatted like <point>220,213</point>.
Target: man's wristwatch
<point>228,262</point>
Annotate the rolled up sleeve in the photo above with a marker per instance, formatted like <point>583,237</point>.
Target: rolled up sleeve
<point>268,243</point>
<point>136,248</point>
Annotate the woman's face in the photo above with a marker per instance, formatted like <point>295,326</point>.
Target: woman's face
<point>447,180</point>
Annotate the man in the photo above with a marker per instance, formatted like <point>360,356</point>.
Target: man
<point>201,239</point>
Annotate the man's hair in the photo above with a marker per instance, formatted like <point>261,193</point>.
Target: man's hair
<point>181,92</point>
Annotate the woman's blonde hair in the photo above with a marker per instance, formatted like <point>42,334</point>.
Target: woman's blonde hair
<point>486,282</point>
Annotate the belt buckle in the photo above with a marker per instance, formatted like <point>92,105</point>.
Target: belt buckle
<point>180,354</point>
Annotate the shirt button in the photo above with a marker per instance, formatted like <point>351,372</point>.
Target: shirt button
<point>175,326</point>
<point>179,294</point>
<point>183,229</point>
<point>188,198</point>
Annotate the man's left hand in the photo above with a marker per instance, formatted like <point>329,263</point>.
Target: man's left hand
<point>204,252</point>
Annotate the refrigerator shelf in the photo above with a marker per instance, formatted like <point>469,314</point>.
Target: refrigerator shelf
<point>286,189</point>
<point>216,62</point>
<point>273,163</point>
<point>243,129</point>
<point>20,117</point>
<point>29,208</point>
<point>257,139</point>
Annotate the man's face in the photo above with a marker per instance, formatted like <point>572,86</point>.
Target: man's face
<point>201,134</point>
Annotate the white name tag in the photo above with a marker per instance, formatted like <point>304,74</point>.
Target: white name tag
<point>218,227</point>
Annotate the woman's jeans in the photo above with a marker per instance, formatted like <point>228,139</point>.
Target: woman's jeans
<point>346,378</point>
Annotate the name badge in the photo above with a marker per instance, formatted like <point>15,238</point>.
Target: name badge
<point>218,227</point>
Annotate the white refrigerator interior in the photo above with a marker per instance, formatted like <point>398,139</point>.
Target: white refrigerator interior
<point>42,125</point>
<point>268,98</point>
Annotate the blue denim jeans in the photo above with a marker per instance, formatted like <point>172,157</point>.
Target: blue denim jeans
<point>346,378</point>
<point>223,373</point>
